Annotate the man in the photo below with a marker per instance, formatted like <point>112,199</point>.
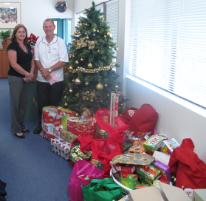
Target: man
<point>50,55</point>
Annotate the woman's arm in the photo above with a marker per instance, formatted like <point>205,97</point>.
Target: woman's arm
<point>32,67</point>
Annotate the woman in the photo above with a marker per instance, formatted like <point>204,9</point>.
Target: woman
<point>21,71</point>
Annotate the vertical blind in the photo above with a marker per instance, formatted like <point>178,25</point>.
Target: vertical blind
<point>167,46</point>
<point>112,17</point>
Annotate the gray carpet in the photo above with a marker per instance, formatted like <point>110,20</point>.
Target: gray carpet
<point>32,172</point>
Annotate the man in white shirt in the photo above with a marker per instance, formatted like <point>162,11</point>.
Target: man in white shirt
<point>50,55</point>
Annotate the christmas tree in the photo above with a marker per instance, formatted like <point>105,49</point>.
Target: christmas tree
<point>90,74</point>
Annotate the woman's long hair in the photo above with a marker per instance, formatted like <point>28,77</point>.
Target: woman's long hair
<point>17,27</point>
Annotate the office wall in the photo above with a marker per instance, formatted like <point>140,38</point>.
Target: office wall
<point>34,12</point>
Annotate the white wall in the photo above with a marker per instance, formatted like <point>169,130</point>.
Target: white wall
<point>174,120</point>
<point>33,13</point>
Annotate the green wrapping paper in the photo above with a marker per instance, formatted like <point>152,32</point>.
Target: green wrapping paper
<point>76,154</point>
<point>102,190</point>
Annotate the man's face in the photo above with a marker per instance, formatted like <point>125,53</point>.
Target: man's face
<point>48,28</point>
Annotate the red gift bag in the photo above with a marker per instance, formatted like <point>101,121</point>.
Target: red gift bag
<point>104,151</point>
<point>144,119</point>
<point>114,133</point>
<point>189,170</point>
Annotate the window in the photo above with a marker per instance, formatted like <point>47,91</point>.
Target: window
<point>112,16</point>
<point>63,29</point>
<point>167,46</point>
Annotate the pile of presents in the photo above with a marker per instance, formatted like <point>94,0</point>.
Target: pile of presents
<point>113,154</point>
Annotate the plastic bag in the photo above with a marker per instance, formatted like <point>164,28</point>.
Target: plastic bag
<point>81,175</point>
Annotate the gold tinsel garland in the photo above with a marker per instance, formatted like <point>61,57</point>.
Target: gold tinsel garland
<point>79,69</point>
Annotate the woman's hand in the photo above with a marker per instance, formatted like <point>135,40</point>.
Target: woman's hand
<point>28,77</point>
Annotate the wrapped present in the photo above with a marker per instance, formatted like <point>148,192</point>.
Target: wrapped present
<point>153,142</point>
<point>120,170</point>
<point>49,114</point>
<point>80,126</point>
<point>76,154</point>
<point>127,170</point>
<point>67,136</point>
<point>61,147</point>
<point>137,147</point>
<point>102,190</point>
<point>130,181</point>
<point>165,171</point>
<point>148,173</point>
<point>161,157</point>
<point>169,145</point>
<point>51,121</point>
<point>133,159</point>
<point>46,135</point>
<point>65,114</point>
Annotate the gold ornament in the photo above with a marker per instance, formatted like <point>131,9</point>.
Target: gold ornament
<point>109,34</point>
<point>99,86</point>
<point>90,65</point>
<point>77,81</point>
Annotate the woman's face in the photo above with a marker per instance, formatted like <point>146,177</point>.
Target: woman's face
<point>21,34</point>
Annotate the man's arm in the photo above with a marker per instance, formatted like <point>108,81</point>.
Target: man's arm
<point>56,66</point>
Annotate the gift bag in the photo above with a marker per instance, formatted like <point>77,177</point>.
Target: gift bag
<point>104,151</point>
<point>144,120</point>
<point>115,132</point>
<point>102,190</point>
<point>189,169</point>
<point>81,175</point>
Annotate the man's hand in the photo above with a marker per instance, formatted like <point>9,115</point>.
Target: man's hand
<point>45,73</point>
